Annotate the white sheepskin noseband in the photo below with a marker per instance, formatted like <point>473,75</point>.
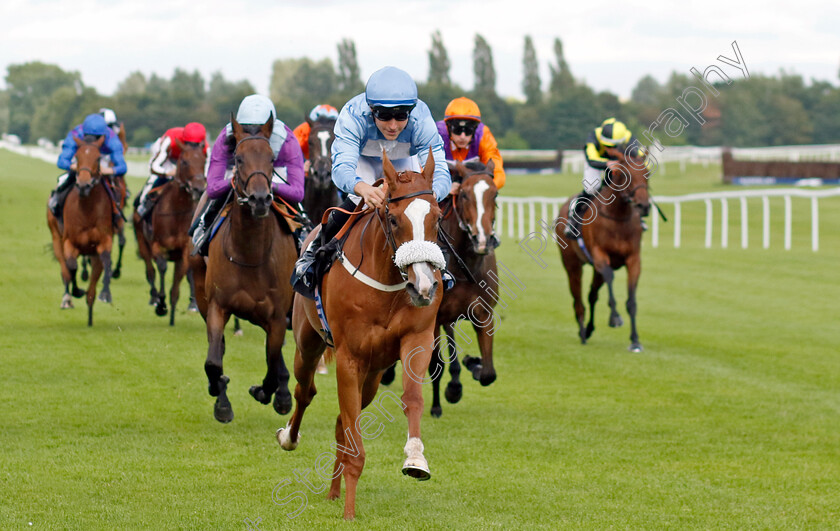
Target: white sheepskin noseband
<point>417,251</point>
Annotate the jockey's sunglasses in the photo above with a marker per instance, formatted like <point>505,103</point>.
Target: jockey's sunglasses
<point>463,128</point>
<point>386,114</point>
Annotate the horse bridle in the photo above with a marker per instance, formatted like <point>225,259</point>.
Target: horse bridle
<point>241,196</point>
<point>492,240</point>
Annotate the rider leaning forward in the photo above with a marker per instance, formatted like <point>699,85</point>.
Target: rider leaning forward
<point>387,116</point>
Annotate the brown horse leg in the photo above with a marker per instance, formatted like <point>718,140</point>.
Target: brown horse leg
<point>307,353</point>
<point>216,320</point>
<point>484,333</point>
<point>338,469</point>
<point>454,390</point>
<point>277,375</point>
<point>66,300</point>
<point>634,269</point>
<point>105,262</point>
<point>415,362</point>
<point>597,282</point>
<point>95,273</point>
<point>348,374</point>
<point>175,291</point>
<point>161,263</point>
<point>574,270</point>
<point>615,318</point>
<point>193,306</point>
<point>71,255</point>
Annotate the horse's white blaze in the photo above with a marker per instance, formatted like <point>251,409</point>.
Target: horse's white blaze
<point>416,213</point>
<point>479,189</point>
<point>324,137</point>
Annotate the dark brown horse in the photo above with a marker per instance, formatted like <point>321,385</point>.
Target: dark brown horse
<point>163,238</point>
<point>320,193</point>
<point>247,272</point>
<point>612,238</point>
<point>467,225</point>
<point>380,302</point>
<point>86,228</point>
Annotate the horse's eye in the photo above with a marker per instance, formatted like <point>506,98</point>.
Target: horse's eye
<point>237,159</point>
<point>393,221</point>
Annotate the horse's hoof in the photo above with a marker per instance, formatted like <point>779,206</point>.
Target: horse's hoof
<point>282,403</point>
<point>193,307</point>
<point>616,321</point>
<point>487,377</point>
<point>473,365</point>
<point>238,332</point>
<point>454,392</point>
<point>116,273</point>
<point>223,412</point>
<point>588,332</point>
<point>416,467</point>
<point>436,412</point>
<point>259,395</point>
<point>322,367</point>
<point>161,310</point>
<point>635,347</point>
<point>78,293</point>
<point>105,296</point>
<point>285,439</point>
<point>67,304</point>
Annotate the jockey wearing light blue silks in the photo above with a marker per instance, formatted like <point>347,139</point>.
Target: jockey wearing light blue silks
<point>387,117</point>
<point>357,149</point>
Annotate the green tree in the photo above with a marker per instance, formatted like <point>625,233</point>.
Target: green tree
<point>483,69</point>
<point>438,62</point>
<point>531,73</point>
<point>223,98</point>
<point>4,111</point>
<point>561,76</point>
<point>349,76</point>
<point>297,85</point>
<point>30,86</point>
<point>64,110</point>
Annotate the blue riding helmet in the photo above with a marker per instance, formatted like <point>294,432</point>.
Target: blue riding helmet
<point>255,109</point>
<point>390,87</point>
<point>94,124</point>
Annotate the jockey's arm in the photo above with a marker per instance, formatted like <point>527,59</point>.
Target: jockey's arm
<point>156,165</point>
<point>290,157</point>
<point>488,150</point>
<point>593,157</point>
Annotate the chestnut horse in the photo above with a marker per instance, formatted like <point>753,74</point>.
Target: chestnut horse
<point>611,234</point>
<point>86,228</point>
<point>380,301</point>
<point>467,225</point>
<point>163,237</point>
<point>320,193</point>
<point>247,271</point>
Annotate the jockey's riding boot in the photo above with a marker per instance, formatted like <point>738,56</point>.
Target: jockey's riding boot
<point>318,256</point>
<point>577,211</point>
<point>201,233</point>
<point>59,195</point>
<point>644,225</point>
<point>144,208</point>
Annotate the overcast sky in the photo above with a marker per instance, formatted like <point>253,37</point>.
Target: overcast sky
<point>609,44</point>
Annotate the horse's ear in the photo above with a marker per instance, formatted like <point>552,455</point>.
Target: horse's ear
<point>389,171</point>
<point>99,142</point>
<point>267,127</point>
<point>179,143</point>
<point>237,129</point>
<point>491,166</point>
<point>429,169</point>
<point>78,141</point>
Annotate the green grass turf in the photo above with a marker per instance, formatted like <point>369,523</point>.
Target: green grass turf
<point>729,419</point>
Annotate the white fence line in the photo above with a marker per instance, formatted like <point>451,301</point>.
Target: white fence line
<point>513,210</point>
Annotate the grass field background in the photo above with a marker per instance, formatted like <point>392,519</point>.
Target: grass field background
<point>729,419</point>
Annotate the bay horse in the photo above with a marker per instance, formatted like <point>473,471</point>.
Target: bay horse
<point>247,271</point>
<point>86,227</point>
<point>467,226</point>
<point>612,237</point>
<point>320,193</point>
<point>163,237</point>
<point>380,301</point>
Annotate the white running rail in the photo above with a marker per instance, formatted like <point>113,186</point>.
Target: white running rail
<point>542,211</point>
